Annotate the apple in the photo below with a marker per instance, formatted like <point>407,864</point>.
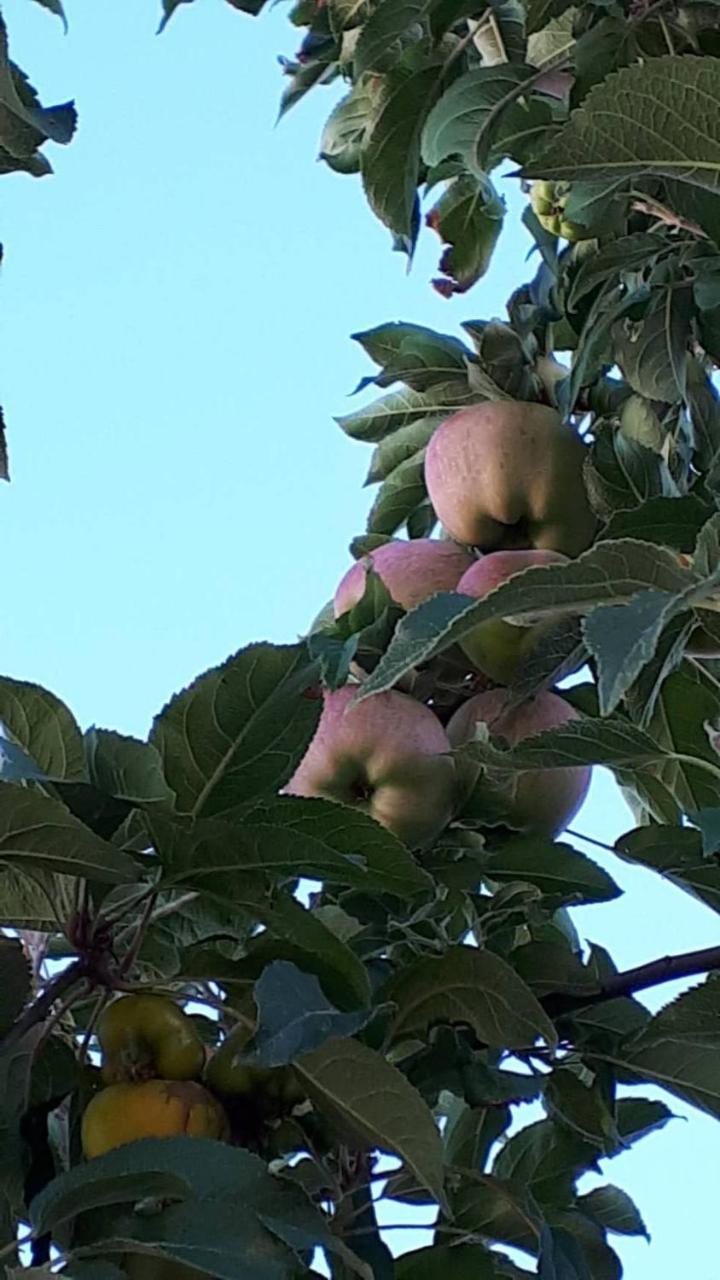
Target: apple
<point>412,571</point>
<point>548,200</point>
<point>544,800</point>
<point>497,646</point>
<point>387,756</point>
<point>508,475</point>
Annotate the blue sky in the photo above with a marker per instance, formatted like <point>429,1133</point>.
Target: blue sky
<point>177,304</point>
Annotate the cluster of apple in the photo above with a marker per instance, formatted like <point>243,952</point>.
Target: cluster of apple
<point>506,482</point>
<point>153,1060</point>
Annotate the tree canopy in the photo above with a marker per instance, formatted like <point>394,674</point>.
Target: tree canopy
<point>355,986</point>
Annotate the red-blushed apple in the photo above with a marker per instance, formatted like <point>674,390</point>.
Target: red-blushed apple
<point>544,800</point>
<point>509,475</point>
<point>497,647</point>
<point>412,571</point>
<point>387,756</point>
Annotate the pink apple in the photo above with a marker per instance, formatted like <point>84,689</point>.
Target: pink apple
<point>545,800</point>
<point>386,756</point>
<point>412,571</point>
<point>497,647</point>
<point>509,475</point>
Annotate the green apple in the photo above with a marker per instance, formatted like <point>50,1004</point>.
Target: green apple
<point>497,647</point>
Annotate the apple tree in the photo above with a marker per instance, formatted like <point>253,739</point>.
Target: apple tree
<point>321,916</point>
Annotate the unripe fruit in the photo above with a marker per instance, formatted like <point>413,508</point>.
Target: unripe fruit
<point>508,475</point>
<point>498,647</point>
<point>411,571</point>
<point>144,1036</point>
<point>548,202</point>
<point>544,800</point>
<point>274,1085</point>
<point>384,756</point>
<point>155,1109</point>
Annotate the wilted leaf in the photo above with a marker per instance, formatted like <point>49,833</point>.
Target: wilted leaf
<point>468,218</point>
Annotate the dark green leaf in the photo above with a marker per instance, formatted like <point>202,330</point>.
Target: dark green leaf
<point>637,123</point>
<point>378,1104</point>
<point>480,119</point>
<point>294,1017</point>
<point>44,727</point>
<point>470,986</point>
<point>14,981</point>
<point>613,1209</point>
<point>389,31</point>
<point>126,767</point>
<point>239,730</point>
<point>558,870</point>
<point>391,155</point>
<point>468,218</point>
<point>39,833</point>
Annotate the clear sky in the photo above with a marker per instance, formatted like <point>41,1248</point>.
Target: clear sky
<point>176,308</point>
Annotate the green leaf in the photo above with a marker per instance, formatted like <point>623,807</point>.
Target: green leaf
<point>685,705</point>
<point>545,1158</point>
<point>581,1105</point>
<point>462,1262</point>
<point>323,952</point>
<point>39,833</point>
<point>391,155</point>
<point>622,473</point>
<point>708,823</point>
<point>559,871</point>
<point>670,522</point>
<point>378,1104</point>
<point>25,124</point>
<point>126,767</point>
<point>613,1209</point>
<point>15,1070</point>
<point>470,986</point>
<point>410,353</point>
<point>468,218</point>
<point>541,12</point>
<point>623,638</point>
<point>223,1211</point>
<point>239,730</point>
<point>561,1257</point>
<point>480,119</point>
<point>14,981</point>
<point>610,572</point>
<point>496,1208</point>
<point>677,854</point>
<point>44,727</point>
<point>652,352</point>
<point>294,1017</point>
<point>403,445</point>
<point>400,495</point>
<point>345,130</point>
<point>55,7</point>
<point>678,1048</point>
<point>637,123</point>
<point>379,419</point>
<point>291,835</point>
<point>389,31</point>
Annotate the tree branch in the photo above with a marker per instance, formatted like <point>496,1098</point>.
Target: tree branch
<point>665,969</point>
